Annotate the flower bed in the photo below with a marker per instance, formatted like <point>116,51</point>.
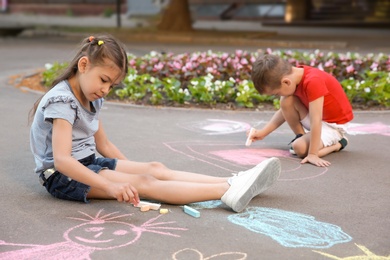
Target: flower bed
<point>212,78</point>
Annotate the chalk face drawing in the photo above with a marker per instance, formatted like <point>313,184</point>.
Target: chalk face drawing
<point>216,126</point>
<point>99,232</point>
<point>290,229</point>
<point>368,255</point>
<point>232,157</point>
<point>190,253</point>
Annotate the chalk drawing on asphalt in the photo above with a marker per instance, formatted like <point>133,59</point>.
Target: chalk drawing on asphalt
<point>99,232</point>
<point>290,229</point>
<point>365,129</point>
<point>232,157</point>
<point>190,253</point>
<point>224,127</point>
<point>368,255</point>
<point>215,126</point>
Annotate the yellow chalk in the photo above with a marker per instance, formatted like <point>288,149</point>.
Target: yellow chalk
<point>163,211</point>
<point>145,208</point>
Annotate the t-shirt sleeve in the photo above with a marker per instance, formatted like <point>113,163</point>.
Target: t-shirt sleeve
<point>316,88</point>
<point>61,107</point>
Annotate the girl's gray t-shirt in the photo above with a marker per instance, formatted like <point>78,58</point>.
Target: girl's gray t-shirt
<point>61,103</point>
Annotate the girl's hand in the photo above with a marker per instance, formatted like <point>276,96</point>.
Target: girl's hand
<point>315,160</point>
<point>124,192</point>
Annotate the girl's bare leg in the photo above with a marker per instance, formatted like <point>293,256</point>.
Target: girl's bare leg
<point>168,191</point>
<point>161,172</point>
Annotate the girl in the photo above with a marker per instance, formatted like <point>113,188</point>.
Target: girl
<point>66,133</point>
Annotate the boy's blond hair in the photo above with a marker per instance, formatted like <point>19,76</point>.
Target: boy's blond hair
<point>268,71</point>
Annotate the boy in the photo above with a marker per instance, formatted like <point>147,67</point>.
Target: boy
<point>311,101</point>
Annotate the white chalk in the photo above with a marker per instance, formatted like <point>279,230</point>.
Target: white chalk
<point>192,212</point>
<point>153,206</point>
<point>249,139</point>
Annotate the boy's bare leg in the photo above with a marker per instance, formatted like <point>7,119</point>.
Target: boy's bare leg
<point>293,111</point>
<point>329,149</point>
<point>301,147</point>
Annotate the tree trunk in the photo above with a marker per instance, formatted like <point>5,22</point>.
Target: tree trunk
<point>296,10</point>
<point>176,17</point>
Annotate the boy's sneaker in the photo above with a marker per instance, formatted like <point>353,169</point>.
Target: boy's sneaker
<point>343,142</point>
<point>251,183</point>
<point>291,148</point>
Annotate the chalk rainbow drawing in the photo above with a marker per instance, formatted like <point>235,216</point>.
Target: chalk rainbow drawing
<point>290,229</point>
<point>99,232</point>
<point>190,253</point>
<point>369,255</point>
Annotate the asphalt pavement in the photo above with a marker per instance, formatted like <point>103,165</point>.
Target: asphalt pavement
<point>341,211</point>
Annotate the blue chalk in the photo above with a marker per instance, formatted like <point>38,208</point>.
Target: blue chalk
<point>192,212</point>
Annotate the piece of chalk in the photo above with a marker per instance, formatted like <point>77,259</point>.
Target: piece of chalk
<point>153,206</point>
<point>192,212</point>
<point>163,211</point>
<point>249,139</point>
<point>145,208</point>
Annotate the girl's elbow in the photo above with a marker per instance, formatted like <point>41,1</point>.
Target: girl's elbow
<point>60,163</point>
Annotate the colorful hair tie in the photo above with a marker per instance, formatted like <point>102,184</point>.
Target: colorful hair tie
<point>100,42</point>
<point>91,38</point>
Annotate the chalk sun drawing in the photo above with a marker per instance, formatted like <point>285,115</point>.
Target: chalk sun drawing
<point>215,126</point>
<point>368,255</point>
<point>99,232</point>
<point>290,229</point>
<point>190,253</point>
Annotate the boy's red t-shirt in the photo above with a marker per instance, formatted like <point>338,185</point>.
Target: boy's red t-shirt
<point>316,83</point>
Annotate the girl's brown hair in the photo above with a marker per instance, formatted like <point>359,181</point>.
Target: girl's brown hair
<point>268,71</point>
<point>97,49</point>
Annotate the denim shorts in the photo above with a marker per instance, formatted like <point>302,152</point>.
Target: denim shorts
<point>63,187</point>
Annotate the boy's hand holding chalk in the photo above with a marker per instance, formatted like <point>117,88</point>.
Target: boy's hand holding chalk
<point>249,139</point>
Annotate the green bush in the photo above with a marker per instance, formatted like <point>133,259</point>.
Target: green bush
<point>208,78</point>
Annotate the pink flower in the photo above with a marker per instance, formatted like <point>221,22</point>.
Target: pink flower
<point>253,59</point>
<point>224,56</point>
<point>329,63</point>
<point>158,66</point>
<point>188,65</point>
<point>269,50</point>
<point>177,65</point>
<point>350,69</point>
<point>244,61</point>
<point>239,53</point>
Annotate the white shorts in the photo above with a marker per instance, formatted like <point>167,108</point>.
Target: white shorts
<point>331,133</point>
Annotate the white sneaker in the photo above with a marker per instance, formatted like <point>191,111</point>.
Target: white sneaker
<point>292,151</point>
<point>251,183</point>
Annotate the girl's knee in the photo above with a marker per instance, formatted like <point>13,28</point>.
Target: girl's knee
<point>159,170</point>
<point>157,166</point>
